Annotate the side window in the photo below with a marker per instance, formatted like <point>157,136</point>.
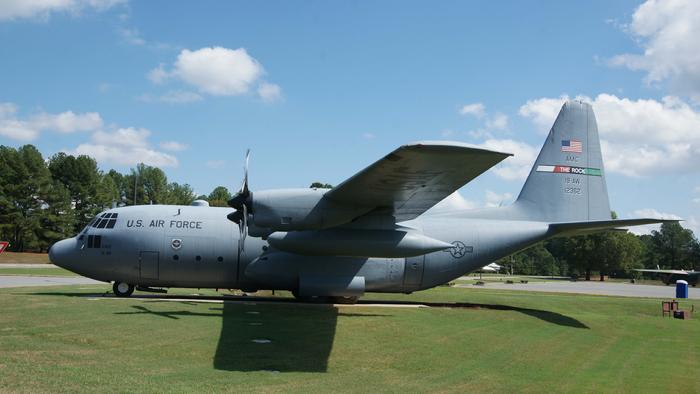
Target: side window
<point>94,241</point>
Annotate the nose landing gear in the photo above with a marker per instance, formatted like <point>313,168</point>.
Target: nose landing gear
<point>122,289</point>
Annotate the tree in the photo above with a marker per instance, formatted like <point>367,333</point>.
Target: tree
<point>617,252</point>
<point>319,185</point>
<point>151,186</point>
<point>82,178</point>
<point>219,197</point>
<point>179,194</point>
<point>24,179</point>
<point>674,246</point>
<point>535,260</point>
<point>57,221</point>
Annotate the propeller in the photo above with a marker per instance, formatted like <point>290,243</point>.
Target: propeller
<point>242,202</point>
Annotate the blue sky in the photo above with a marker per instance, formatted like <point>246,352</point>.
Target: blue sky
<point>318,90</point>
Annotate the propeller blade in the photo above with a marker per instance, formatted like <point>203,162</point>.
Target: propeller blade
<point>244,228</point>
<point>242,202</point>
<point>244,188</point>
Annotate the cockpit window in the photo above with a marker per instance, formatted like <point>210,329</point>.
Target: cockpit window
<point>106,220</point>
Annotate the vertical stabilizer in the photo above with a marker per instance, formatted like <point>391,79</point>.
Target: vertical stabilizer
<point>567,182</point>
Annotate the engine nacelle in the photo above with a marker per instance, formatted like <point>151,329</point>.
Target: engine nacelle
<point>300,209</point>
<point>399,242</point>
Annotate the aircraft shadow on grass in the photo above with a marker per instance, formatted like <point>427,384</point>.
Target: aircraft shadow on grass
<point>299,342</point>
<point>301,335</point>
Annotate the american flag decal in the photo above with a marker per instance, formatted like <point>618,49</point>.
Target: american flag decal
<point>574,146</point>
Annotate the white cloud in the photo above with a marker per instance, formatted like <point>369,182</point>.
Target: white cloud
<point>124,146</point>
<point>543,111</point>
<point>104,87</point>
<point>215,163</point>
<point>494,199</point>
<point>12,126</point>
<point>653,214</point>
<point>638,137</point>
<point>173,146</point>
<point>453,202</point>
<point>218,71</point>
<point>668,33</point>
<point>498,121</point>
<point>516,167</point>
<point>179,97</point>
<point>42,9</point>
<point>369,136</point>
<point>131,36</point>
<point>457,202</point>
<point>476,109</point>
<point>270,92</point>
<point>171,97</point>
<point>68,122</point>
<point>158,75</point>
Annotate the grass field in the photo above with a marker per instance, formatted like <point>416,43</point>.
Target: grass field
<point>62,339</point>
<point>24,258</point>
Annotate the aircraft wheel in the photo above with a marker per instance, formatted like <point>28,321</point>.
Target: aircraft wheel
<point>122,289</point>
<point>301,298</point>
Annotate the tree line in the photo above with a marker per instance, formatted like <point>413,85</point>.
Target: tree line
<point>45,200</point>
<point>610,253</point>
<point>42,201</point>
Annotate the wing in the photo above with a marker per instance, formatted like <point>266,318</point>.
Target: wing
<point>414,177</point>
<point>677,272</point>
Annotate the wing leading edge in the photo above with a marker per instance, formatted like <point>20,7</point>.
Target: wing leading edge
<point>414,177</point>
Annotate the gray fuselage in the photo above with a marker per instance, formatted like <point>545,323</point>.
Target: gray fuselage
<point>196,246</point>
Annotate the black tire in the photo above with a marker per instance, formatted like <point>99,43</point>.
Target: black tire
<point>301,298</point>
<point>121,291</point>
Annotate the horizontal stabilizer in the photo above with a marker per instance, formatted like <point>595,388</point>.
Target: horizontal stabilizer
<point>578,228</point>
<point>673,272</point>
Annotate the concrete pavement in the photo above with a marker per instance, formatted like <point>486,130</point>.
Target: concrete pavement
<point>592,287</point>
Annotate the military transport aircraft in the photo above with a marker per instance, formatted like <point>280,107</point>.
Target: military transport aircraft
<point>368,234</point>
<point>491,268</point>
<point>671,276</point>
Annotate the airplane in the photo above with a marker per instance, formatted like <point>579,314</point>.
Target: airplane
<point>491,268</point>
<point>371,233</point>
<point>671,276</point>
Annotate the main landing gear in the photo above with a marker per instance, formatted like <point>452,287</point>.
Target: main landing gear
<point>122,289</point>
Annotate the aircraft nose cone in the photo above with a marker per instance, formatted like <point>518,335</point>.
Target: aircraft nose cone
<point>60,253</point>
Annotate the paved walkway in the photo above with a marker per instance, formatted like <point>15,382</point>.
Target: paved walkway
<point>593,287</point>
<point>22,281</point>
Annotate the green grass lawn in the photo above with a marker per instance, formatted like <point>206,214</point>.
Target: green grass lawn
<point>36,271</point>
<point>59,339</point>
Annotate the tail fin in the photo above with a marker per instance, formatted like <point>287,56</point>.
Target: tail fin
<point>567,182</point>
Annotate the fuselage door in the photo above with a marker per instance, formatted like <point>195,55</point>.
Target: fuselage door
<point>148,262</point>
<point>413,272</point>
